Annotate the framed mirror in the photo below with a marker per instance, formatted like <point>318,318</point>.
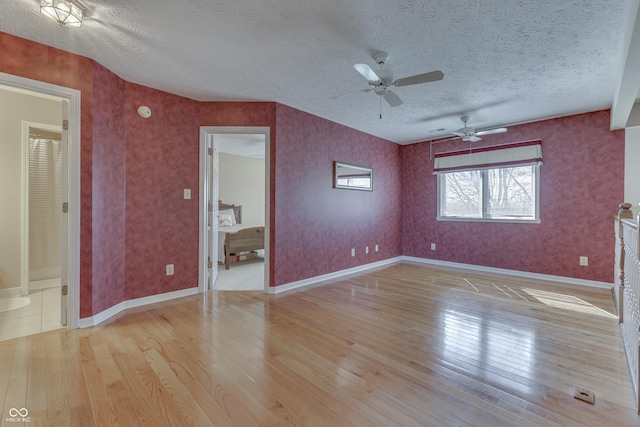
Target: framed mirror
<point>352,177</point>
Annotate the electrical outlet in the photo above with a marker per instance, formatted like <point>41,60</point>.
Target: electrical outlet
<point>366,249</point>
<point>433,246</point>
<point>584,261</point>
<point>169,269</point>
<point>353,251</point>
<point>376,248</point>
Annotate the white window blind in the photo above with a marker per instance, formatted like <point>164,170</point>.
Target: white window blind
<point>496,156</point>
<point>45,205</point>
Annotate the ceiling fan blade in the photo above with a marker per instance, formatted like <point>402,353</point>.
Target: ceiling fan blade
<point>420,78</point>
<point>490,131</point>
<point>367,72</point>
<point>392,99</point>
<point>471,138</point>
<point>352,92</point>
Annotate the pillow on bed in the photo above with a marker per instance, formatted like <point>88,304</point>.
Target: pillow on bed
<point>227,213</point>
<point>225,220</point>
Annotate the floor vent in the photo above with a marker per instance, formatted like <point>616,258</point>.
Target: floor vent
<point>584,394</point>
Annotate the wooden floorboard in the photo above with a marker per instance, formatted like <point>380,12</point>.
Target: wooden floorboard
<point>402,345</point>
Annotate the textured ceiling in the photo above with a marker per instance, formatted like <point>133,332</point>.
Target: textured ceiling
<point>246,145</point>
<point>504,62</point>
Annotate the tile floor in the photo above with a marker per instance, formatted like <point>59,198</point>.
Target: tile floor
<point>42,314</point>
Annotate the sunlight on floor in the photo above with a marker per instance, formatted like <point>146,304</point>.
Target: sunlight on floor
<point>567,302</point>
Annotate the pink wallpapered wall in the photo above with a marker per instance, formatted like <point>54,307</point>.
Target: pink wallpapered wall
<point>133,172</point>
<point>581,185</point>
<point>317,225</point>
<point>162,157</point>
<point>35,61</point>
<point>108,192</point>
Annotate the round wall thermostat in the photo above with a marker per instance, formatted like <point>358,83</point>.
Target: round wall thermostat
<point>144,111</point>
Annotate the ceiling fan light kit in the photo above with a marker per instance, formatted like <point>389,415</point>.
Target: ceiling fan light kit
<point>470,134</point>
<point>382,80</point>
<point>63,12</point>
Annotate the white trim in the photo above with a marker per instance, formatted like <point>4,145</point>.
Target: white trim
<point>437,263</point>
<point>118,308</point>
<point>137,302</point>
<point>207,132</point>
<point>516,273</point>
<point>441,182</point>
<point>503,220</point>
<point>71,242</point>
<point>329,276</point>
<point>632,372</point>
<point>627,83</point>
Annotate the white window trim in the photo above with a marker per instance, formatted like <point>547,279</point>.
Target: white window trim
<point>535,220</point>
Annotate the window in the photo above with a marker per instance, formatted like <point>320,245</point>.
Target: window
<point>496,183</point>
<point>509,193</point>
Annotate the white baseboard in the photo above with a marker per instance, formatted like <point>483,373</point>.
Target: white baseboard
<point>437,263</point>
<point>516,273</point>
<point>112,311</point>
<point>329,276</point>
<point>10,292</point>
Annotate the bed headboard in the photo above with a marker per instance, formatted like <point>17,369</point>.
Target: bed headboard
<point>237,210</point>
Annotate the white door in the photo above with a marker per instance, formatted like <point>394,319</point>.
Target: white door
<point>64,231</point>
<point>212,218</point>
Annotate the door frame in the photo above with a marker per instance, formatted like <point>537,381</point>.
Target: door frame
<point>206,136</point>
<point>70,242</point>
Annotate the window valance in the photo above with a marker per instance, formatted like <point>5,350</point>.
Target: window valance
<point>495,156</point>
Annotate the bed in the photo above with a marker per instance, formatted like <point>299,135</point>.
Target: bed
<point>236,242</point>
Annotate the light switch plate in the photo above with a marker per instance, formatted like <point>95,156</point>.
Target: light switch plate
<point>187,193</point>
<point>169,269</point>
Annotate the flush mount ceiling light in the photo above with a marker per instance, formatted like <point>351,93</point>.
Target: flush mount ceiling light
<point>63,12</point>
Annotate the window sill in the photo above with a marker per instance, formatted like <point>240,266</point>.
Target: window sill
<point>503,220</point>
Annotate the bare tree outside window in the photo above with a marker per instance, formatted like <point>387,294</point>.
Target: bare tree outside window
<point>500,193</point>
<point>511,192</point>
<point>463,194</point>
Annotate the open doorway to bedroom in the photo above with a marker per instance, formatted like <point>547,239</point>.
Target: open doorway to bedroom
<point>234,208</point>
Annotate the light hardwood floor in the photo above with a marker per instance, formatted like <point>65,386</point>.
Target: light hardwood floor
<point>402,345</point>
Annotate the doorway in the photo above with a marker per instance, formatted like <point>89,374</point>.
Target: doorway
<point>15,283</point>
<point>233,144</point>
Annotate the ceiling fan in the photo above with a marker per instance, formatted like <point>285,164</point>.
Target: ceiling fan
<point>471,134</point>
<point>382,80</point>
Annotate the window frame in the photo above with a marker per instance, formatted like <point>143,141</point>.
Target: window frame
<point>484,197</point>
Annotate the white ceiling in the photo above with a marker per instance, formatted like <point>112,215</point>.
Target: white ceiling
<point>237,144</point>
<point>504,62</point>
